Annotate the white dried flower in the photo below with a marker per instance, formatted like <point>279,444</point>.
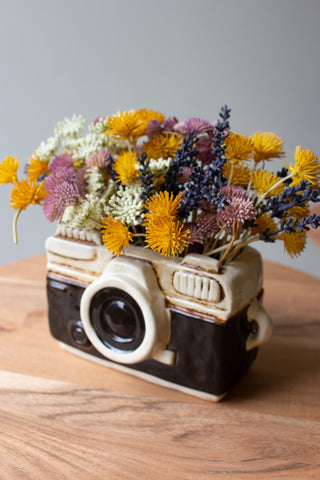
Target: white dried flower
<point>87,215</point>
<point>116,145</point>
<point>99,126</point>
<point>47,149</point>
<point>72,145</point>
<point>83,147</point>
<point>78,216</point>
<point>70,127</point>
<point>95,179</point>
<point>159,166</point>
<point>90,212</point>
<point>126,205</point>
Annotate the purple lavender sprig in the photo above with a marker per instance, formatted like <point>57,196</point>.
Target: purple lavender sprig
<point>185,157</point>
<point>297,195</point>
<point>214,171</point>
<point>195,191</point>
<point>146,177</point>
<point>292,225</point>
<point>109,167</point>
<point>206,182</point>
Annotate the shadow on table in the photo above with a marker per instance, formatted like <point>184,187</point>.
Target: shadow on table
<point>286,366</point>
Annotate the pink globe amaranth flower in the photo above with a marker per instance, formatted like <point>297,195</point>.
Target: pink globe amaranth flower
<point>204,141</point>
<point>64,186</point>
<point>59,174</point>
<point>64,160</point>
<point>207,206</point>
<point>197,236</point>
<point>98,159</point>
<point>232,191</point>
<point>199,125</point>
<point>205,155</point>
<point>56,202</point>
<point>81,181</point>
<point>240,210</point>
<point>181,128</point>
<point>196,125</point>
<point>169,123</point>
<point>207,223</point>
<point>154,128</point>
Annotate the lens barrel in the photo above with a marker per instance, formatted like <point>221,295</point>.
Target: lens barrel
<point>117,319</point>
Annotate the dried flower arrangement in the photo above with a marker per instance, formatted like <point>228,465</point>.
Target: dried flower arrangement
<point>138,177</point>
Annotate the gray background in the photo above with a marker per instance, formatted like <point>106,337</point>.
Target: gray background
<point>181,57</point>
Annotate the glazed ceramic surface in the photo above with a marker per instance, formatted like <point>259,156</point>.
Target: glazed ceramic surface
<point>184,322</point>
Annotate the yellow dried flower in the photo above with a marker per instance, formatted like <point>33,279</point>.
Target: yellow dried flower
<point>36,168</point>
<point>126,125</point>
<point>125,167</point>
<point>27,193</point>
<point>8,170</point>
<point>306,167</point>
<point>238,148</point>
<point>147,115</point>
<point>163,204</point>
<point>115,235</point>
<point>299,212</point>
<point>78,163</point>
<point>162,146</point>
<point>236,174</point>
<point>167,236</point>
<point>266,145</point>
<point>264,181</point>
<point>294,243</point>
<point>262,223</point>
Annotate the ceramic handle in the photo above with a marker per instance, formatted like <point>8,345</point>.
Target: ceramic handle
<point>256,313</point>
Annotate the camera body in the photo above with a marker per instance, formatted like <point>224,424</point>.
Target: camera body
<point>183,322</point>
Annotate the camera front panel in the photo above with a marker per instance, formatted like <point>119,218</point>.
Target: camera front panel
<point>209,356</point>
<point>63,311</point>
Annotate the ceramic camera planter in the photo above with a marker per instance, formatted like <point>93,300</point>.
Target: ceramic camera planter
<point>184,322</point>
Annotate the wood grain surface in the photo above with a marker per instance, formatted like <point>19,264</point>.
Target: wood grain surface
<point>63,417</point>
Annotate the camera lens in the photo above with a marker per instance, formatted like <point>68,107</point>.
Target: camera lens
<point>117,319</point>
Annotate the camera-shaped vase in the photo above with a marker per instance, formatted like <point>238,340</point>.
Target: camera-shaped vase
<point>184,322</point>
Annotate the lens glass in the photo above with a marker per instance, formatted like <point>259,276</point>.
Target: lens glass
<point>117,319</point>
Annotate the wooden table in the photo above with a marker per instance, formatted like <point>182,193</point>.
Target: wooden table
<point>63,417</point>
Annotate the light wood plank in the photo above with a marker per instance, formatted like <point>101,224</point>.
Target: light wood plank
<point>64,417</point>
<point>68,431</point>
